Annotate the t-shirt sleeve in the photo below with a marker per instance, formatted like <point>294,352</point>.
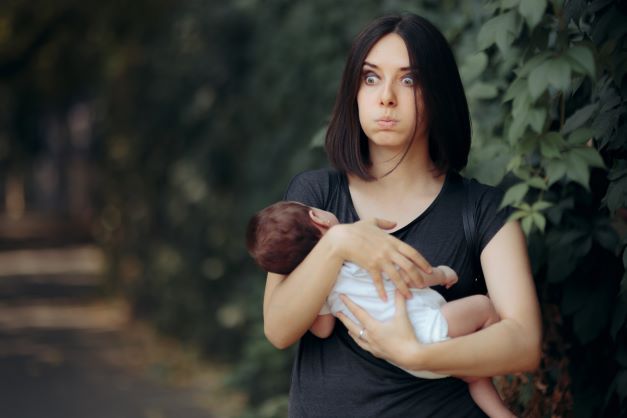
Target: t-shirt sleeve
<point>309,188</point>
<point>490,219</point>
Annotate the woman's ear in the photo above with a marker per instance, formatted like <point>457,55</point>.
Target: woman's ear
<point>319,222</point>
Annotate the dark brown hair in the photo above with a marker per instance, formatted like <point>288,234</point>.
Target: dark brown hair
<point>280,236</point>
<point>433,63</point>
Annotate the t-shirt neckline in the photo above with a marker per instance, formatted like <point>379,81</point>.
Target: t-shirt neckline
<point>351,206</point>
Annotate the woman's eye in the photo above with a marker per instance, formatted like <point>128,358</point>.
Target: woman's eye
<point>407,81</point>
<point>370,79</point>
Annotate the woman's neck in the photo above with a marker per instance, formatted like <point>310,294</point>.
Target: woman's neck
<point>415,168</point>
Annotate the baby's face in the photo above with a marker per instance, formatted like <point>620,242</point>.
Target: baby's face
<point>327,218</point>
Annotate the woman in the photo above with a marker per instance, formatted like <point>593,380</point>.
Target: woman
<point>399,134</point>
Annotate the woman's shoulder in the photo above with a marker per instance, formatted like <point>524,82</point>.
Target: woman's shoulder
<point>480,193</point>
<point>321,176</point>
<point>490,215</point>
<point>312,187</point>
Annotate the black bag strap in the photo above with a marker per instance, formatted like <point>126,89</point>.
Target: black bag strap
<point>470,232</point>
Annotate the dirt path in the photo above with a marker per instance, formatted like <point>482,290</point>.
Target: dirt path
<point>65,352</point>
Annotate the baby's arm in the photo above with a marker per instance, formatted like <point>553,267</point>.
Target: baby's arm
<point>323,326</point>
<point>441,275</point>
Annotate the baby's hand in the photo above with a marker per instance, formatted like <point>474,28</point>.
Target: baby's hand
<point>450,277</point>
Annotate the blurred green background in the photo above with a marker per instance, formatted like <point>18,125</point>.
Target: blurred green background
<point>160,126</point>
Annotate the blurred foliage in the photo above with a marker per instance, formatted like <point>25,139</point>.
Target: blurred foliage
<point>203,110</point>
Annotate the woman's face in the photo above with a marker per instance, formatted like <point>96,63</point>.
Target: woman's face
<point>389,103</point>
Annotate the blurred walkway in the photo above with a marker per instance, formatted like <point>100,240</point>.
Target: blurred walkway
<point>67,353</point>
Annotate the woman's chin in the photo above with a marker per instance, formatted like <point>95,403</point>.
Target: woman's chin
<point>390,142</point>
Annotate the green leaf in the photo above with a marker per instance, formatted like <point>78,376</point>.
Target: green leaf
<point>507,31</point>
<point>473,66</point>
<point>524,206</point>
<point>537,117</point>
<point>555,138</point>
<point>514,163</point>
<point>577,169</point>
<point>584,57</point>
<point>538,80</point>
<point>549,149</point>
<point>539,220</point>
<point>532,11</point>
<point>541,205</point>
<point>522,173</point>
<point>550,144</point>
<point>558,73</point>
<point>616,196</point>
<point>526,146</point>
<point>521,104</point>
<point>517,128</point>
<point>481,90</point>
<point>537,182</point>
<point>579,118</point>
<point>555,170</point>
<point>532,64</point>
<point>501,29</point>
<point>515,89</point>
<point>515,194</point>
<point>517,215</point>
<point>508,4</point>
<point>590,155</point>
<point>526,224</point>
<point>581,136</point>
<point>487,34</point>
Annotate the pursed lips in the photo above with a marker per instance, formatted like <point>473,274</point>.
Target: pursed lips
<point>386,122</point>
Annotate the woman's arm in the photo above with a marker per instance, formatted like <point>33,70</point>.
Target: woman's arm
<point>292,303</point>
<point>511,345</point>
<point>323,326</point>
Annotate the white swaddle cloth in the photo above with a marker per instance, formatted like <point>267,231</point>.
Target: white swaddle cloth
<point>423,308</point>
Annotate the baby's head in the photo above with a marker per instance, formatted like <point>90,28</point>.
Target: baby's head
<point>280,236</point>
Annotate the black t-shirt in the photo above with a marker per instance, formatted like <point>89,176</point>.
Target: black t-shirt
<point>335,378</point>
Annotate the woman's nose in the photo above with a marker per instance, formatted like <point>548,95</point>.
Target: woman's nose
<point>388,97</point>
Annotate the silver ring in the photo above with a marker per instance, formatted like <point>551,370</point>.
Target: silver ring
<point>361,333</point>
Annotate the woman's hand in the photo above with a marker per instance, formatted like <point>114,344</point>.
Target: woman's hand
<point>367,245</point>
<point>392,340</point>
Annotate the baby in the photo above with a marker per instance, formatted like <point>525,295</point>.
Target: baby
<point>280,236</point>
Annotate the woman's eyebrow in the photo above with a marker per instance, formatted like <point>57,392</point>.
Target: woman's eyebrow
<point>377,67</point>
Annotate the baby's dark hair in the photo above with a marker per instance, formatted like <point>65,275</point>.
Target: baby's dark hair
<point>280,236</point>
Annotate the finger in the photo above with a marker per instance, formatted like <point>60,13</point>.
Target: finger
<point>401,304</point>
<point>360,342</point>
<point>377,280</point>
<point>384,223</point>
<point>400,284</point>
<point>413,255</point>
<point>352,327</point>
<point>412,275</point>
<point>362,316</point>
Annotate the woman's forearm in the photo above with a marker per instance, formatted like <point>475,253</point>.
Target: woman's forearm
<point>514,343</point>
<point>292,303</point>
<point>504,347</point>
<point>511,345</point>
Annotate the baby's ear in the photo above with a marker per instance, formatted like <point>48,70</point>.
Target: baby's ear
<point>316,220</point>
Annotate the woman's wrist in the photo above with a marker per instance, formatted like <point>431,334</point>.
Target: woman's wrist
<point>414,357</point>
<point>334,239</point>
